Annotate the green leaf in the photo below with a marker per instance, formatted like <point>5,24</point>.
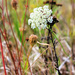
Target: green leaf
<point>17,25</point>
<point>22,19</point>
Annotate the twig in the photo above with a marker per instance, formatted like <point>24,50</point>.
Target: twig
<point>24,28</point>
<point>53,42</point>
<point>14,37</point>
<point>2,55</point>
<point>55,52</point>
<point>9,51</point>
<point>37,58</point>
<point>43,44</point>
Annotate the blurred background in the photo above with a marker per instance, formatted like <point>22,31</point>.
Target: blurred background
<point>64,29</point>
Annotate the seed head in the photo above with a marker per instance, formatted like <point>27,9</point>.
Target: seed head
<point>33,39</point>
<point>14,4</point>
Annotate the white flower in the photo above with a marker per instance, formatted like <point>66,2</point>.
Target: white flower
<point>33,26</point>
<point>40,9</point>
<point>49,12</point>
<point>29,21</point>
<point>35,9</point>
<point>45,7</point>
<point>40,17</point>
<point>50,19</point>
<point>43,26</point>
<point>32,15</point>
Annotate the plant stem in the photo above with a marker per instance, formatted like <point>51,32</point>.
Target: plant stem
<point>10,53</point>
<point>46,59</point>
<point>24,28</point>
<point>5,37</point>
<point>14,37</point>
<point>57,66</point>
<point>2,54</point>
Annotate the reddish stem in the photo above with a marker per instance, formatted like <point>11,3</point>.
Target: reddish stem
<point>25,13</point>
<point>2,56</point>
<point>13,60</point>
<point>5,31</point>
<point>14,36</point>
<point>24,26</point>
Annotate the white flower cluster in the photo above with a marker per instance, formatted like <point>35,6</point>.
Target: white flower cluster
<point>40,17</point>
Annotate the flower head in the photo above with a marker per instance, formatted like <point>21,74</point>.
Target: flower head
<point>40,17</point>
<point>33,39</point>
<point>14,4</point>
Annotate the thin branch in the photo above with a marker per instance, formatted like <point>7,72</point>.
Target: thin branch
<point>2,55</point>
